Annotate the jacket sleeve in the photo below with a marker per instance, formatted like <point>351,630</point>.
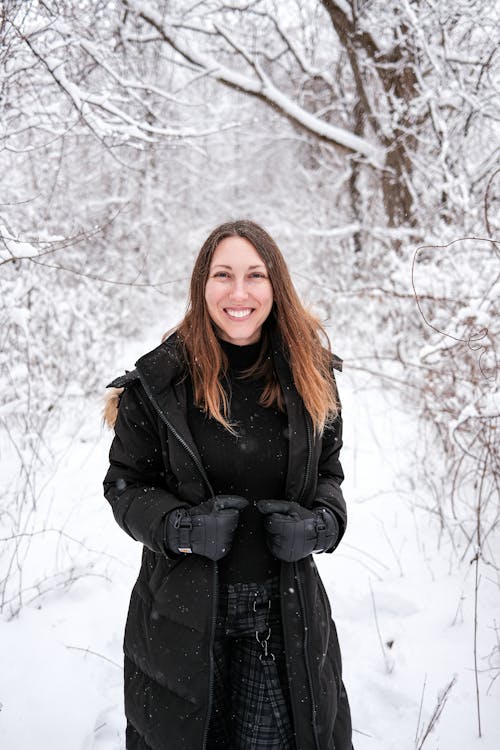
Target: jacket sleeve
<point>137,485</point>
<point>330,473</point>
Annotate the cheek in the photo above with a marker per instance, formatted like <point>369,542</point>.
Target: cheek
<point>267,298</point>
<point>210,297</point>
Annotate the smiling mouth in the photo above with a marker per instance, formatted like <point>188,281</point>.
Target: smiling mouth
<point>241,313</point>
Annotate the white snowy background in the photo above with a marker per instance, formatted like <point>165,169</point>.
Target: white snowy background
<point>364,136</point>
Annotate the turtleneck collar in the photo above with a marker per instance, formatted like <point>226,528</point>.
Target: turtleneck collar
<point>241,357</point>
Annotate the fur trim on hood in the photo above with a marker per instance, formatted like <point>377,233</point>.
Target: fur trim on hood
<point>113,394</point>
<point>111,401</point>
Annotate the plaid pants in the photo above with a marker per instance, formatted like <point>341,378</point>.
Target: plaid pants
<point>251,708</point>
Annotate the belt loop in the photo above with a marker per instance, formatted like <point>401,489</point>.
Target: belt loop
<point>255,604</point>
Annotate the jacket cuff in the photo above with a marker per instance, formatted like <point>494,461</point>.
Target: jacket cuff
<point>328,531</point>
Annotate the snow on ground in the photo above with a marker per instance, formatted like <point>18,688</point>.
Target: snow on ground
<point>404,611</point>
<point>60,677</point>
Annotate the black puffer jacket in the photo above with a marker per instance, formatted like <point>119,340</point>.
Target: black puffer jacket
<point>154,468</point>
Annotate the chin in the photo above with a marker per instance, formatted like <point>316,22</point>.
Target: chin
<point>241,338</point>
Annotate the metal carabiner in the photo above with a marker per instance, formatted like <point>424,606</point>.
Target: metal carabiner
<point>264,643</point>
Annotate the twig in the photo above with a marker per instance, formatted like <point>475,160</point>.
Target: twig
<point>476,676</point>
<point>94,653</point>
<point>63,534</point>
<point>389,667</point>
<point>393,549</point>
<point>441,701</point>
<point>477,580</point>
<point>420,710</point>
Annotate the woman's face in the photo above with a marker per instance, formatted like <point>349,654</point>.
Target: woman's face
<point>238,293</point>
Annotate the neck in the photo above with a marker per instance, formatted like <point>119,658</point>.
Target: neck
<point>241,357</point>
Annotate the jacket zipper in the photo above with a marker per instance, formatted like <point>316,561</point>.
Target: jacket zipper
<point>300,587</point>
<point>200,468</point>
<point>212,669</point>
<point>181,440</point>
<point>309,458</point>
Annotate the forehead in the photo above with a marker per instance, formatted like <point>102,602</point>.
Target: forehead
<point>236,251</point>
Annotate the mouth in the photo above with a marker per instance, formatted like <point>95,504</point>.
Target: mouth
<point>238,313</point>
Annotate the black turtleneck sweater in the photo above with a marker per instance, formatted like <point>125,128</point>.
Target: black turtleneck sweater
<point>252,464</point>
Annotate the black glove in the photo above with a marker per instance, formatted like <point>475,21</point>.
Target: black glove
<point>206,529</point>
<point>293,532</point>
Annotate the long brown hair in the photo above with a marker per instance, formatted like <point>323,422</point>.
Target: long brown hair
<point>300,332</point>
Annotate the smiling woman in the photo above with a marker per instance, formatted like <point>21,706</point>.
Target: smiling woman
<point>225,466</point>
<point>238,292</point>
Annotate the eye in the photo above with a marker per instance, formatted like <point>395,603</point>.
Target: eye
<point>258,275</point>
<point>220,275</point>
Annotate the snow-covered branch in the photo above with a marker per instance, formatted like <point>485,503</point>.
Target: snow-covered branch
<point>259,86</point>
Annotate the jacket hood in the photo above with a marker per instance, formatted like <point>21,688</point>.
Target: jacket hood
<point>165,359</point>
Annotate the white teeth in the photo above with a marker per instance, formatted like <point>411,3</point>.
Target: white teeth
<point>239,313</point>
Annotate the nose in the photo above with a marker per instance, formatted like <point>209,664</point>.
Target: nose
<point>238,290</point>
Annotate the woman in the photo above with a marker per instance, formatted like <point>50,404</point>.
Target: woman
<point>225,466</point>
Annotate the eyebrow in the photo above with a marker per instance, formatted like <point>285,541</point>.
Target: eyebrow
<point>221,265</point>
